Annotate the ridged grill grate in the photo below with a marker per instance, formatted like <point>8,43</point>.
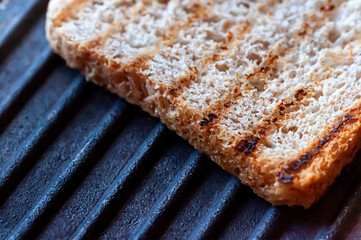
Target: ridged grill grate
<point>80,163</point>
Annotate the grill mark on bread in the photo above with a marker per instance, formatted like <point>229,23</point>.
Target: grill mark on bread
<point>173,91</point>
<point>272,122</point>
<point>200,12</point>
<point>163,1</point>
<point>185,81</point>
<point>283,178</point>
<point>218,109</point>
<point>221,106</point>
<point>99,41</point>
<point>264,6</point>
<point>248,144</point>
<point>326,10</point>
<point>241,30</point>
<point>205,121</point>
<point>266,70</point>
<point>299,93</point>
<point>195,12</point>
<point>328,7</point>
<point>267,66</point>
<point>307,157</point>
<point>262,70</point>
<point>304,30</point>
<point>283,108</point>
<point>69,12</point>
<point>115,27</point>
<point>231,97</point>
<point>128,73</point>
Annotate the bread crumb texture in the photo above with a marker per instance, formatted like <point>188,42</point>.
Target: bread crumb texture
<point>270,90</point>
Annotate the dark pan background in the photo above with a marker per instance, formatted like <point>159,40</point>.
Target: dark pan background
<point>77,162</point>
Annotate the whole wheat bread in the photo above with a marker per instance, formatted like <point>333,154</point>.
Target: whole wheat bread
<point>270,90</point>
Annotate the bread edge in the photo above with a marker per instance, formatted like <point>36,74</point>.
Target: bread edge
<point>305,194</point>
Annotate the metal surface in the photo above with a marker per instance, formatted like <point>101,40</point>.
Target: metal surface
<point>79,163</point>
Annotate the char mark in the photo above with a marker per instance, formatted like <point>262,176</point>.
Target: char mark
<point>285,178</point>
<point>339,126</point>
<point>300,92</point>
<point>205,121</point>
<point>248,145</point>
<point>173,91</point>
<point>307,157</point>
<point>327,8</point>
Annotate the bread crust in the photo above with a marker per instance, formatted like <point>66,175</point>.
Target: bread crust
<point>309,181</point>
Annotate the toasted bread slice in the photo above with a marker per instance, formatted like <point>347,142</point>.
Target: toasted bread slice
<point>269,90</point>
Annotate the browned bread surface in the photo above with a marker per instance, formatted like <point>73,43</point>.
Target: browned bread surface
<point>268,90</point>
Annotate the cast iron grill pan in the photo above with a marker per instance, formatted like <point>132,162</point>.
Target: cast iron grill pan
<point>79,163</point>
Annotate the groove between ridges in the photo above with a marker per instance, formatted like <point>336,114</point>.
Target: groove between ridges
<point>64,178</point>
